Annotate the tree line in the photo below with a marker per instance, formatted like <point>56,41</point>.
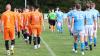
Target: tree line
<point>45,4</point>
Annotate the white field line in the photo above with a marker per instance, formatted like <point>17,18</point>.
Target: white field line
<point>49,49</point>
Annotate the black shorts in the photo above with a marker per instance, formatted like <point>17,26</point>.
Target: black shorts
<point>52,22</point>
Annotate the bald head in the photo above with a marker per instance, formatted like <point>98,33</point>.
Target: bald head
<point>8,7</point>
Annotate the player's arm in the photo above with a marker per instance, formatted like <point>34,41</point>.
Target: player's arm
<point>98,18</point>
<point>63,17</point>
<point>72,23</point>
<point>15,20</point>
<point>85,19</point>
<point>94,19</point>
<point>42,22</point>
<point>2,22</point>
<point>68,19</point>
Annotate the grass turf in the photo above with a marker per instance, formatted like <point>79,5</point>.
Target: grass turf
<point>60,43</point>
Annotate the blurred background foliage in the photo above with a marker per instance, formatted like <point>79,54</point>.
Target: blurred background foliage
<point>46,4</point>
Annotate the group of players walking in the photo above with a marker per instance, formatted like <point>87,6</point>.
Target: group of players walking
<point>81,24</point>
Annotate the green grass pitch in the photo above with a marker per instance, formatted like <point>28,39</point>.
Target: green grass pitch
<point>59,43</point>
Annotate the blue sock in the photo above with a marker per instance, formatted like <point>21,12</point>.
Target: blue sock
<point>57,27</point>
<point>95,40</point>
<point>75,46</point>
<point>61,29</point>
<point>82,46</point>
<point>90,40</point>
<point>78,38</point>
<point>86,43</point>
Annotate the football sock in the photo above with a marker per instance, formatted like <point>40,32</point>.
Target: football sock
<point>18,34</point>
<point>75,46</point>
<point>7,44</point>
<point>39,40</point>
<point>35,40</point>
<point>86,43</point>
<point>95,41</point>
<point>82,46</point>
<point>30,39</point>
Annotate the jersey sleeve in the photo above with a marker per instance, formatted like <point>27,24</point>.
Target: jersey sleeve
<point>95,15</point>
<point>41,16</point>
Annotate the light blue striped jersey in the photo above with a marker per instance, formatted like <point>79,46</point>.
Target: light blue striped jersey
<point>60,16</point>
<point>89,17</point>
<point>95,14</point>
<point>79,18</point>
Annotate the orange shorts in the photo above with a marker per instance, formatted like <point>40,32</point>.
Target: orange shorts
<point>30,30</point>
<point>19,28</point>
<point>36,30</point>
<point>9,34</point>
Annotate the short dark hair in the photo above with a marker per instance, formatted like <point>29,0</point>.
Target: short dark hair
<point>92,4</point>
<point>78,6</point>
<point>36,6</point>
<point>87,5</point>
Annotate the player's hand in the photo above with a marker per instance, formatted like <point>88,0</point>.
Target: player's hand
<point>94,27</point>
<point>71,29</point>
<point>1,31</point>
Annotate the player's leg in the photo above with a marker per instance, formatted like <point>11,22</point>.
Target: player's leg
<point>38,36</point>
<point>30,39</point>
<point>49,23</point>
<point>18,34</point>
<point>75,45</point>
<point>90,36</point>
<point>57,26</point>
<point>12,38</point>
<point>61,29</point>
<point>82,41</point>
<point>22,31</point>
<point>54,22</point>
<point>30,34</point>
<point>95,36</point>
<point>34,30</point>
<point>12,46</point>
<point>6,38</point>
<point>52,25</point>
<point>19,29</point>
<point>86,37</point>
<point>7,47</point>
<point>25,35</point>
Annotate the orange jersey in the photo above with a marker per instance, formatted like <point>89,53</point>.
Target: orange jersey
<point>37,18</point>
<point>19,21</point>
<point>26,16</point>
<point>19,17</point>
<point>8,19</point>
